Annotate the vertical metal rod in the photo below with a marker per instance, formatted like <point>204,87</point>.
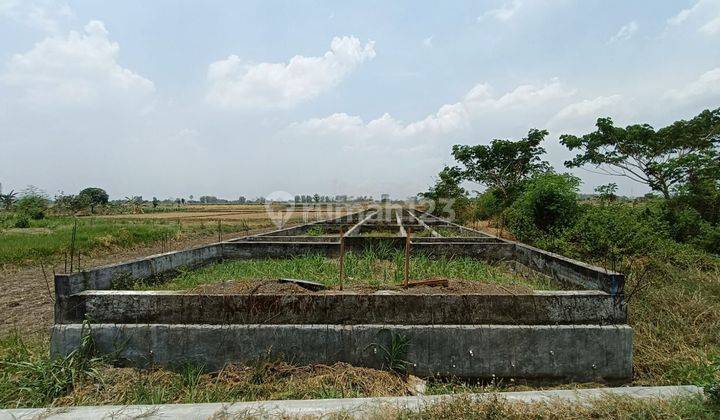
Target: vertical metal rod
<point>407,256</point>
<point>342,257</point>
<point>72,245</point>
<point>219,230</point>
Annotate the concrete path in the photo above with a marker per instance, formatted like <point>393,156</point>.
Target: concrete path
<point>358,407</point>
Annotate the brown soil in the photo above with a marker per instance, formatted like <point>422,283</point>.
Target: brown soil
<point>454,287</point>
<point>26,301</point>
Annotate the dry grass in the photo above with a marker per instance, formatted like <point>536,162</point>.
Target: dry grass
<point>263,381</point>
<point>611,407</point>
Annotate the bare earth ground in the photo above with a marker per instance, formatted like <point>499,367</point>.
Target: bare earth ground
<point>27,296</point>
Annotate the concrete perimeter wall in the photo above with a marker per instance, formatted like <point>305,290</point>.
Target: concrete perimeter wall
<point>577,353</point>
<point>101,278</point>
<point>569,271</point>
<point>550,308</point>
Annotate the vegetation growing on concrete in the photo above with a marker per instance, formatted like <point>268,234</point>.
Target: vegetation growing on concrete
<point>370,267</point>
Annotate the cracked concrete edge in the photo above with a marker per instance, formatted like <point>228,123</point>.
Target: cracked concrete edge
<point>356,407</point>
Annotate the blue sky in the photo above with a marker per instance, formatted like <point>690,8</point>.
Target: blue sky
<point>172,98</point>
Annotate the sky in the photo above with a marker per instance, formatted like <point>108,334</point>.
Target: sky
<point>173,98</point>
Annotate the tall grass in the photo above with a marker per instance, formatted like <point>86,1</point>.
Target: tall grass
<point>376,266</point>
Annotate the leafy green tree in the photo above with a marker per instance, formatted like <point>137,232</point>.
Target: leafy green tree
<point>447,185</point>
<point>662,159</point>
<point>93,197</point>
<point>504,164</point>
<point>447,194</point>
<point>607,192</point>
<point>8,199</point>
<point>155,202</point>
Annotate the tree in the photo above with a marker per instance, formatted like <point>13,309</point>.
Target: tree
<point>447,193</point>
<point>8,199</point>
<point>155,202</point>
<point>503,165</point>
<point>93,197</point>
<point>662,159</point>
<point>607,192</point>
<point>447,186</point>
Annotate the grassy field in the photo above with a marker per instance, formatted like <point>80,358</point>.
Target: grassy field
<point>49,238</point>
<point>372,267</point>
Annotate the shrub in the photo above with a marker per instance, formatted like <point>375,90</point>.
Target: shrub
<point>22,223</point>
<point>488,205</point>
<point>609,232</point>
<point>547,204</point>
<point>33,205</point>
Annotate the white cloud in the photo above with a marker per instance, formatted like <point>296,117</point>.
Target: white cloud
<point>503,13</point>
<point>683,15</point>
<point>580,116</point>
<point>78,69</point>
<point>478,103</point>
<point>428,42</point>
<point>697,14</point>
<point>233,83</point>
<point>626,32</point>
<point>707,86</point>
<point>43,15</point>
<point>712,27</point>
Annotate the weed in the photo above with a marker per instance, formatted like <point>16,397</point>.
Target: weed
<point>395,354</point>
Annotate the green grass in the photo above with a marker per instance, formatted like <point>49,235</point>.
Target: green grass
<point>371,267</point>
<point>49,238</point>
<point>455,232</point>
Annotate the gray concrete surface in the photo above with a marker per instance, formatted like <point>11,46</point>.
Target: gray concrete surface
<point>355,407</point>
<point>564,352</point>
<point>384,307</point>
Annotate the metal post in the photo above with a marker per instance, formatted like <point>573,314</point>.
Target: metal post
<point>407,256</point>
<point>342,257</point>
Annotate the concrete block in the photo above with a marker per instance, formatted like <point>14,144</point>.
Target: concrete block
<point>567,352</point>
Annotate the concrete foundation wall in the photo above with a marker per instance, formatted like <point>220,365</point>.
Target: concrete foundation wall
<point>569,271</point>
<point>102,278</point>
<point>346,308</point>
<point>578,353</point>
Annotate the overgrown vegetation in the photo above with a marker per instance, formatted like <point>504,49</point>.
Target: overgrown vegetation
<point>30,378</point>
<point>374,267</point>
<point>667,245</point>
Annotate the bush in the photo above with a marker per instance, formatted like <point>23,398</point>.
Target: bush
<point>32,205</point>
<point>488,205</point>
<point>548,204</point>
<point>609,232</point>
<point>22,223</point>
